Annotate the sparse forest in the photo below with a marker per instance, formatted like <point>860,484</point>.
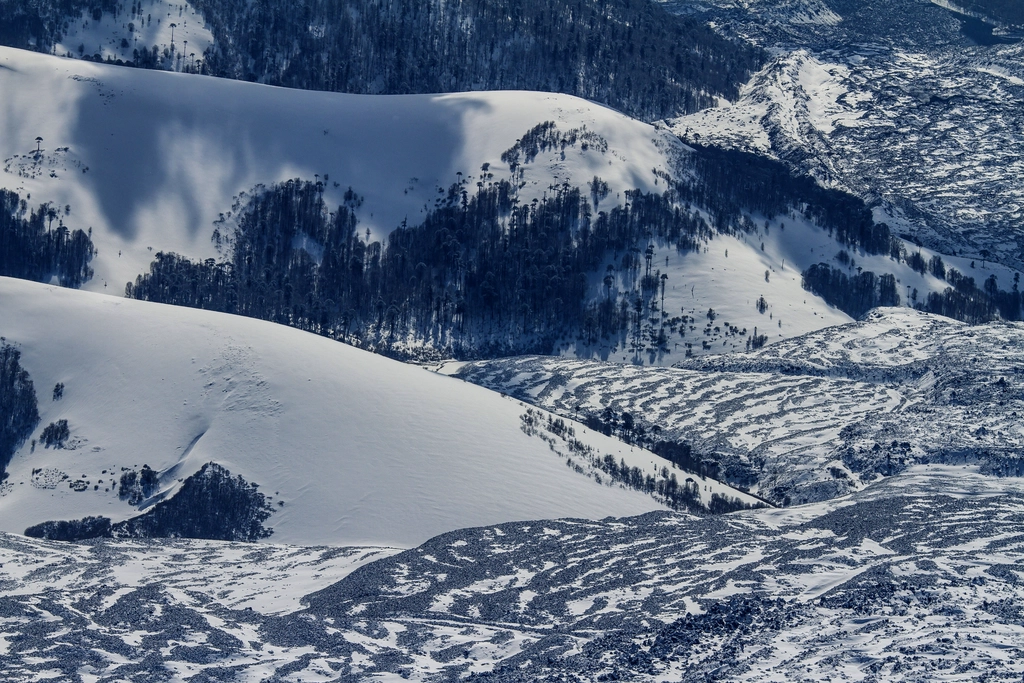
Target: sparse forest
<point>483,274</point>
<point>488,275</point>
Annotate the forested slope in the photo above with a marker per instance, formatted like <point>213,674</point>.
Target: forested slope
<point>630,54</point>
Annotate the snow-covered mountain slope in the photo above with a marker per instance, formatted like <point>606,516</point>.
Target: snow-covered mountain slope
<point>129,154</point>
<point>808,418</point>
<point>138,159</point>
<point>914,579</point>
<point>348,447</point>
<point>734,272</point>
<point>149,160</point>
<point>914,117</point>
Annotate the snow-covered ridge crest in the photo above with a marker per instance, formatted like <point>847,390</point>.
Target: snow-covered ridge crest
<point>151,159</point>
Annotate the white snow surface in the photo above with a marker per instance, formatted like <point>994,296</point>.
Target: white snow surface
<point>150,159</point>
<point>270,579</point>
<point>914,579</point>
<point>352,448</point>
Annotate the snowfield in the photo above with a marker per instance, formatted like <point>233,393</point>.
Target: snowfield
<point>350,447</point>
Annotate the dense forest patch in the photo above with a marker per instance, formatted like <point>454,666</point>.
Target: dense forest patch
<point>210,504</point>
<point>33,248</point>
<point>633,55</point>
<point>19,412</point>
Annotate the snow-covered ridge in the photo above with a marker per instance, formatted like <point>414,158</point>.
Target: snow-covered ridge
<point>149,160</point>
<point>149,170</point>
<point>349,447</point>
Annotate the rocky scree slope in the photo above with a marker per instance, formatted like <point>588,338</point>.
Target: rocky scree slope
<point>913,114</point>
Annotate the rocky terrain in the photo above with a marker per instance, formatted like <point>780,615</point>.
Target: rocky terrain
<point>913,579</point>
<point>914,109</point>
<point>808,418</point>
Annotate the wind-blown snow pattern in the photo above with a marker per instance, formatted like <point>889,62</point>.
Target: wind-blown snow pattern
<point>914,579</point>
<point>814,417</point>
<point>348,447</point>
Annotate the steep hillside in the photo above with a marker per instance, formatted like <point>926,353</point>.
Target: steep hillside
<point>150,160</point>
<point>437,226</point>
<point>916,109</point>
<point>136,400</point>
<point>675,65</point>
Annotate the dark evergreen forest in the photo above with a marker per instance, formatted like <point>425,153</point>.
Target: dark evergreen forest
<point>630,54</point>
<point>19,412</point>
<point>733,182</point>
<point>857,294</point>
<point>854,295</point>
<point>483,275</point>
<point>33,248</point>
<point>964,300</point>
<point>38,24</point>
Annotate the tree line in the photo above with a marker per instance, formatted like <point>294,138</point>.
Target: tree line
<point>19,412</point>
<point>963,300</point>
<point>855,295</point>
<point>732,183</point>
